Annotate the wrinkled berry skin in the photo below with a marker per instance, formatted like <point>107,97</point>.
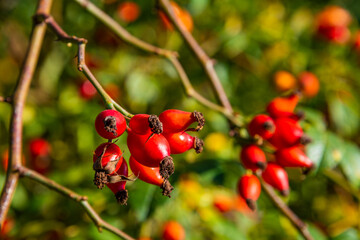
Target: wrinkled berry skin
<point>110,124</point>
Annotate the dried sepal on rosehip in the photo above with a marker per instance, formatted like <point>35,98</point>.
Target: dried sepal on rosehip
<point>150,175</point>
<point>151,150</point>
<point>249,188</point>
<point>144,124</point>
<point>174,120</point>
<point>253,157</point>
<point>181,142</point>
<point>118,188</point>
<point>110,124</point>
<point>107,160</point>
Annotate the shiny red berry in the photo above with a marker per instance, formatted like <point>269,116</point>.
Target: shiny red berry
<point>288,133</point>
<point>283,106</point>
<point>262,125</point>
<point>277,177</point>
<point>181,142</point>
<point>87,90</point>
<point>150,175</point>
<point>151,150</point>
<point>293,157</point>
<point>253,157</point>
<point>145,124</point>
<point>309,84</point>
<point>118,188</point>
<point>110,124</point>
<point>39,147</point>
<point>249,188</point>
<point>177,121</point>
<point>107,160</point>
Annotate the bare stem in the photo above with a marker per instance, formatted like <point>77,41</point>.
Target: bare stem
<point>279,203</point>
<point>19,98</point>
<point>207,63</point>
<point>81,42</point>
<point>82,200</point>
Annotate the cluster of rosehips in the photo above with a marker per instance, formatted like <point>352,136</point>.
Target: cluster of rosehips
<point>151,141</point>
<point>282,133</point>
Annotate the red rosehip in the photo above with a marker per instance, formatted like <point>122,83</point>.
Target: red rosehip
<point>145,124</point>
<point>177,121</point>
<point>249,188</point>
<point>118,188</point>
<point>107,160</point>
<point>181,142</point>
<point>39,147</point>
<point>283,106</point>
<point>293,157</point>
<point>277,177</point>
<point>110,124</point>
<point>173,231</point>
<point>87,90</point>
<point>182,15</point>
<point>151,150</point>
<point>223,203</point>
<point>128,11</point>
<point>309,84</point>
<point>253,157</point>
<point>150,175</point>
<point>288,133</point>
<point>262,125</point>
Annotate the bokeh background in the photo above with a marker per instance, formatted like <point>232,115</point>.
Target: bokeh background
<point>250,40</point>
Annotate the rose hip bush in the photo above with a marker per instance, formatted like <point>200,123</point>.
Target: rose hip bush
<point>291,72</point>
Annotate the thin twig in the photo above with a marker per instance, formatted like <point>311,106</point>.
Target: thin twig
<point>279,203</point>
<point>170,55</point>
<point>19,98</point>
<point>207,63</point>
<point>82,200</point>
<point>81,42</point>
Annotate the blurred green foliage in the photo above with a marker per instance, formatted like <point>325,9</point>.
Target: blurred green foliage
<point>250,41</point>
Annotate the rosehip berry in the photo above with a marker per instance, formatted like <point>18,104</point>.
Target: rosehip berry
<point>249,188</point>
<point>118,188</point>
<point>5,160</point>
<point>277,177</point>
<point>283,106</point>
<point>150,175</point>
<point>309,84</point>
<point>223,203</point>
<point>107,160</point>
<point>144,124</point>
<point>128,11</point>
<point>177,121</point>
<point>288,133</point>
<point>284,81</point>
<point>181,142</point>
<point>182,15</point>
<point>39,147</point>
<point>262,125</point>
<point>110,124</point>
<point>151,150</point>
<point>87,90</point>
<point>293,157</point>
<point>253,157</point>
<point>173,231</point>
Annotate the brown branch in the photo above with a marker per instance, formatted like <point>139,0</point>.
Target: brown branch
<point>82,200</point>
<point>279,203</point>
<point>207,63</point>
<point>170,55</point>
<point>19,98</point>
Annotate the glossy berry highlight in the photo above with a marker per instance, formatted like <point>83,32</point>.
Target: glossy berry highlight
<point>110,124</point>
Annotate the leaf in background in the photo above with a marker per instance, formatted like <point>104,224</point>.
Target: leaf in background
<point>141,198</point>
<point>351,163</point>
